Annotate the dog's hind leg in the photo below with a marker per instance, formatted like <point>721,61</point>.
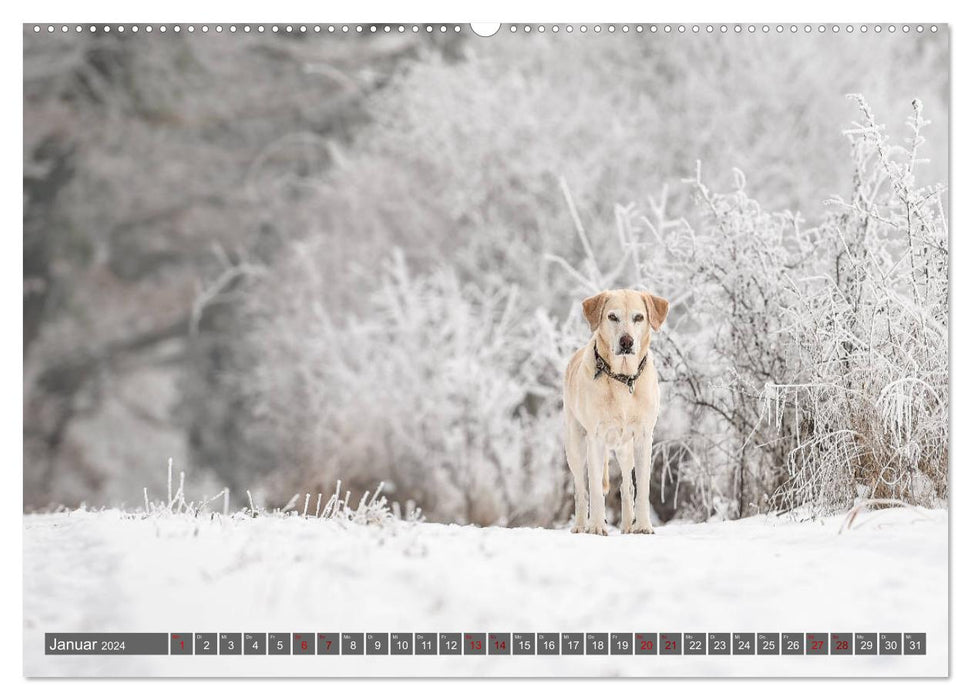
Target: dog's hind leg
<point>575,457</point>
<point>625,457</point>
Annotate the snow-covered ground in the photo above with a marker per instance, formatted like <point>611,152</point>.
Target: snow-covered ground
<point>109,571</point>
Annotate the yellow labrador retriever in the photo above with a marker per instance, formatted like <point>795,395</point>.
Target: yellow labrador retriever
<point>611,402</point>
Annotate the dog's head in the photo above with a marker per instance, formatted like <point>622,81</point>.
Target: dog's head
<point>622,320</point>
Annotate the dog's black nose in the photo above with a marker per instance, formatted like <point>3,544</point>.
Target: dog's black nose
<point>626,342</point>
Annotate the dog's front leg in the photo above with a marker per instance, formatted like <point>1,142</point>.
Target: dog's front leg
<point>596,463</point>
<point>643,449</point>
<point>576,453</point>
<point>579,502</point>
<point>625,457</point>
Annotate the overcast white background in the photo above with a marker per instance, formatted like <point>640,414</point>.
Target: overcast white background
<point>565,11</point>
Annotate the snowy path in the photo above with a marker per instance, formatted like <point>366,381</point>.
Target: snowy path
<point>109,572</point>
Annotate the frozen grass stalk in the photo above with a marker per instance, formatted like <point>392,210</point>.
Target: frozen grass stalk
<point>372,508</point>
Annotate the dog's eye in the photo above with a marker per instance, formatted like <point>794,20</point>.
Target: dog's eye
<point>638,318</point>
<point>613,317</point>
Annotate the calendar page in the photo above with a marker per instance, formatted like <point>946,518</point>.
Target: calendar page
<point>486,350</point>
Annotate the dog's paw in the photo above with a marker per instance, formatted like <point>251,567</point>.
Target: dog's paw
<point>626,529</point>
<point>639,529</point>
<point>600,529</point>
<point>578,529</point>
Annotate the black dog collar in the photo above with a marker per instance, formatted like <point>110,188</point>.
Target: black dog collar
<point>604,368</point>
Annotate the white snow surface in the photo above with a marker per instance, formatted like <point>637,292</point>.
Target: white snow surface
<point>108,571</point>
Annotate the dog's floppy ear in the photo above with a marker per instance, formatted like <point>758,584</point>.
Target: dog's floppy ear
<point>657,309</point>
<point>593,308</point>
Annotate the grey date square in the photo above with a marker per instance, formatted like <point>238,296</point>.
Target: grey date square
<point>328,644</point>
<point>548,643</point>
<point>352,644</point>
<point>865,643</point>
<point>303,644</point>
<point>278,643</point>
<point>645,643</point>
<point>817,644</point>
<point>743,643</point>
<point>670,643</point>
<point>450,643</point>
<point>205,643</point>
<point>890,643</point>
<point>596,643</point>
<point>180,643</point>
<point>402,644</point>
<point>915,643</point>
<point>621,643</point>
<point>793,644</point>
<point>254,643</point>
<point>377,643</point>
<point>841,644</point>
<point>572,643</point>
<point>767,643</point>
<point>474,644</point>
<point>694,644</point>
<point>426,643</point>
<point>230,643</point>
<point>523,643</point>
<point>719,643</point>
<point>499,644</point>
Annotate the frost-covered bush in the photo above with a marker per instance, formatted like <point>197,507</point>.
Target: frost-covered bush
<point>867,402</point>
<point>434,386</point>
<point>808,363</point>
